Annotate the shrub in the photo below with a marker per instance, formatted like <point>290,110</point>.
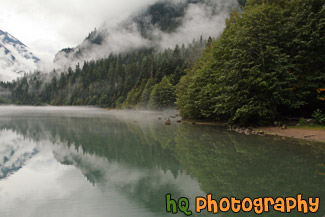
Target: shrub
<point>163,95</point>
<point>318,117</point>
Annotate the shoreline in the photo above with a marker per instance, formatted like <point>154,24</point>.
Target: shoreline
<point>306,134</point>
<point>315,135</point>
<point>204,123</point>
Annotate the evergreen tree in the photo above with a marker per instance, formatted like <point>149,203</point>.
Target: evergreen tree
<point>251,73</point>
<point>163,95</point>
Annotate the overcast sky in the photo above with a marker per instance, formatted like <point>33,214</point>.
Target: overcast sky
<point>46,26</point>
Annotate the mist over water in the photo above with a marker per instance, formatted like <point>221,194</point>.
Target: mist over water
<point>81,161</point>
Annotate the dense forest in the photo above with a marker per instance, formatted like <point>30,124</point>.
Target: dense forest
<point>268,63</point>
<point>141,78</point>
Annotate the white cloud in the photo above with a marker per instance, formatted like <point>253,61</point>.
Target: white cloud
<point>200,20</point>
<point>48,26</point>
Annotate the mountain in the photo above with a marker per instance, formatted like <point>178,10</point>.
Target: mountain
<point>14,153</point>
<point>161,25</point>
<point>15,58</point>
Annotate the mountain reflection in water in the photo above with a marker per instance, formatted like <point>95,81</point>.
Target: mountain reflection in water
<point>91,162</point>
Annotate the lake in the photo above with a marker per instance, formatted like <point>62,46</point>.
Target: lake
<point>89,162</point>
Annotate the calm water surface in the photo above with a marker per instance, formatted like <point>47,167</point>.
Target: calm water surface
<point>86,162</point>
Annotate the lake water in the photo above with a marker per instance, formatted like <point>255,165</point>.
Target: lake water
<point>88,162</point>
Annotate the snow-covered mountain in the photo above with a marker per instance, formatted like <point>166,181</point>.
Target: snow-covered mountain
<point>14,152</point>
<point>15,58</point>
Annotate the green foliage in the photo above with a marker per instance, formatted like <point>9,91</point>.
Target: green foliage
<point>250,75</point>
<point>123,81</point>
<point>163,95</point>
<point>282,3</point>
<point>188,99</point>
<point>242,2</point>
<point>103,100</point>
<point>302,121</point>
<point>318,117</point>
<point>166,16</point>
<point>3,101</point>
<point>144,99</point>
<point>268,62</point>
<point>134,96</point>
<point>306,43</point>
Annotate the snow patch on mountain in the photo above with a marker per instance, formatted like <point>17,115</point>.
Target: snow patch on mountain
<point>16,59</point>
<point>14,153</point>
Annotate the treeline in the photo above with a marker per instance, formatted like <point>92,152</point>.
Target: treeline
<point>142,78</point>
<point>268,63</point>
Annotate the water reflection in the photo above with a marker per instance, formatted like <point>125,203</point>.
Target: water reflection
<point>98,163</point>
<point>14,152</point>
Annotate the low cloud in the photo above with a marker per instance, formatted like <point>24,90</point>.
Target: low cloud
<point>201,19</point>
<point>47,27</point>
